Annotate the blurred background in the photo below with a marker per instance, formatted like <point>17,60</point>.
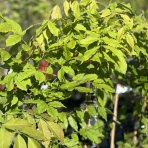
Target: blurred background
<point>27,12</point>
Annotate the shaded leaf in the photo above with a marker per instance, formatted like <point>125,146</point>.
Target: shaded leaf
<point>102,112</point>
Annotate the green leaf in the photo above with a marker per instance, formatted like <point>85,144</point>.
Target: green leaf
<point>61,74</point>
<point>104,87</point>
<point>49,70</point>
<point>23,84</point>
<point>5,138</point>
<point>122,64</point>
<point>78,77</point>
<point>10,26</point>
<point>127,20</point>
<point>57,130</point>
<point>73,123</point>
<point>130,40</point>
<point>79,27</point>
<point>90,77</point>
<point>5,27</point>
<point>39,76</point>
<point>102,112</point>
<point>9,81</point>
<point>69,85</point>
<point>102,100</point>
<point>84,89</point>
<point>146,86</point>
<point>30,69</point>
<point>89,53</point>
<point>33,143</point>
<point>68,70</point>
<point>89,40</point>
<point>84,2</point>
<point>14,100</point>
<point>75,8</point>
<point>19,142</point>
<point>26,47</point>
<point>72,142</point>
<point>13,39</point>
<point>106,13</point>
<point>111,42</point>
<point>22,81</point>
<point>91,110</point>
<point>71,44</point>
<point>120,33</point>
<point>53,29</point>
<point>5,55</point>
<point>52,112</point>
<point>15,27</point>
<point>41,107</point>
<point>108,58</point>
<point>56,104</point>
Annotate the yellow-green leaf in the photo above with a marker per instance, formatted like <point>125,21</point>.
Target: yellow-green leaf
<point>56,13</point>
<point>19,142</point>
<point>53,29</point>
<point>66,7</point>
<point>130,40</point>
<point>33,143</point>
<point>106,13</point>
<point>16,124</point>
<point>57,130</point>
<point>13,39</point>
<point>5,55</point>
<point>5,138</point>
<point>89,40</point>
<point>44,128</point>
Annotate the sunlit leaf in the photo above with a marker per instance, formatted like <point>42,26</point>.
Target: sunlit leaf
<point>19,142</point>
<point>6,138</point>
<point>73,123</point>
<point>57,130</point>
<point>13,39</point>
<point>56,12</point>
<point>33,143</point>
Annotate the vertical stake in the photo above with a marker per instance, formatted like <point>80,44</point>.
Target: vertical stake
<point>116,99</point>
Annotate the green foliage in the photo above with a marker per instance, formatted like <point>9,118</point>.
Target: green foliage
<point>90,46</point>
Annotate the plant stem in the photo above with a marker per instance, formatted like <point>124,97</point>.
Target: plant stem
<point>116,98</point>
